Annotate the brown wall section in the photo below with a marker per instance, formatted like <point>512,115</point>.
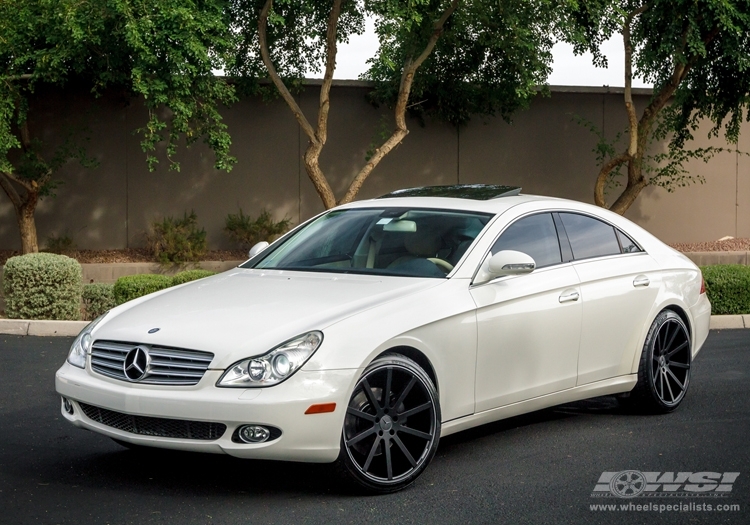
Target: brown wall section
<point>544,150</point>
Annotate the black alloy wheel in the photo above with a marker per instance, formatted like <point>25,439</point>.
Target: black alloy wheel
<point>392,425</point>
<point>664,370</point>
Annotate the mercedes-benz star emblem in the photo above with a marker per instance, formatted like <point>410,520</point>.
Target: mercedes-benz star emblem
<point>136,364</point>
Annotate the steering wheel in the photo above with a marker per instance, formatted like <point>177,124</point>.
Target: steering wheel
<point>440,263</point>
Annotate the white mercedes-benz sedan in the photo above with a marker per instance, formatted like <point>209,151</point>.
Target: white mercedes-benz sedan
<point>368,332</point>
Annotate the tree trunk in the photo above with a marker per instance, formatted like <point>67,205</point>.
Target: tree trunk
<point>27,225</point>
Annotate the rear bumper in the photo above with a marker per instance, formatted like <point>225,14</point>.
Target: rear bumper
<point>310,438</point>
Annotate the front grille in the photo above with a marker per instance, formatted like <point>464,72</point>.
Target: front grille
<point>168,366</point>
<point>155,426</point>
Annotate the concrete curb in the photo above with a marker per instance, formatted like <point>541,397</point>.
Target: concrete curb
<point>71,328</point>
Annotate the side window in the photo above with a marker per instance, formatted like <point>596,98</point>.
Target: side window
<point>589,237</point>
<point>628,246</point>
<point>536,236</point>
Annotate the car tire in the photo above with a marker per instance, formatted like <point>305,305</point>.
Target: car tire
<point>391,427</point>
<point>664,368</point>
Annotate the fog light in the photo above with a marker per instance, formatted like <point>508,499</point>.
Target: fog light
<point>68,406</point>
<point>254,434</point>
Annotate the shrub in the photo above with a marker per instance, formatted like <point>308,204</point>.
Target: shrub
<point>190,275</point>
<point>247,231</point>
<point>42,286</point>
<point>728,288</point>
<point>97,299</point>
<point>134,286</point>
<point>61,244</point>
<point>177,241</point>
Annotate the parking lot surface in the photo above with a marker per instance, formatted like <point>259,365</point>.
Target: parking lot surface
<point>538,468</point>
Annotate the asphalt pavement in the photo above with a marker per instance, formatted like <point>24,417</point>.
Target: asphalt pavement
<point>537,468</point>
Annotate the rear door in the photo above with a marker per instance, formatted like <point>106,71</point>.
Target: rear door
<point>618,289</point>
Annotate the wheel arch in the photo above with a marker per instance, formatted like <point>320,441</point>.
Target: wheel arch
<point>668,305</point>
<point>417,356</point>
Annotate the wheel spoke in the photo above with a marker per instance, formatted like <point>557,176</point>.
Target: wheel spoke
<point>415,410</point>
<point>406,391</point>
<point>661,383</point>
<point>371,455</point>
<point>387,391</point>
<point>362,435</point>
<point>669,387</point>
<point>404,450</point>
<point>371,396</point>
<point>413,432</point>
<point>388,460</point>
<point>679,365</point>
<point>671,339</point>
<point>672,352</point>
<point>682,387</point>
<point>360,414</point>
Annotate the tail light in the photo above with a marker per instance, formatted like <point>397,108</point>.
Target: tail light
<point>703,285</point>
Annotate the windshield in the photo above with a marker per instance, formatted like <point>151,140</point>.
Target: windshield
<point>378,241</point>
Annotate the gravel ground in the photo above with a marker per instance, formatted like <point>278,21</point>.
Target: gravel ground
<point>729,245</point>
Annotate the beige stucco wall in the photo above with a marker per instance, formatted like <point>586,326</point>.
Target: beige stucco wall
<point>544,150</point>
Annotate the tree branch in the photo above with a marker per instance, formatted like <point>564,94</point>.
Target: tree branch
<point>601,179</point>
<point>407,78</point>
<point>285,94</point>
<point>13,195</point>
<point>629,106</point>
<point>325,89</point>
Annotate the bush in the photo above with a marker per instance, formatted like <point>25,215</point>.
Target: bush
<point>97,299</point>
<point>62,244</point>
<point>728,288</point>
<point>190,275</point>
<point>42,286</point>
<point>247,231</point>
<point>133,286</point>
<point>177,241</point>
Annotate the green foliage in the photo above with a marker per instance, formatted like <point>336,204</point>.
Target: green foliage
<point>60,244</point>
<point>702,45</point>
<point>42,286</point>
<point>133,286</point>
<point>190,275</point>
<point>98,298</point>
<point>489,60</point>
<point>296,37</point>
<point>665,169</point>
<point>247,231</point>
<point>177,241</point>
<point>164,51</point>
<point>728,288</point>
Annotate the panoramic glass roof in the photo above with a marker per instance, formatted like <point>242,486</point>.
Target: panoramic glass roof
<point>480,192</point>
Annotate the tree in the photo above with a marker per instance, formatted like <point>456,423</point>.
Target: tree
<point>453,58</point>
<point>163,52</point>
<point>695,54</point>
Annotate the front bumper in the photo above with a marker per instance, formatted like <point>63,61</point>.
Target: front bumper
<point>311,438</point>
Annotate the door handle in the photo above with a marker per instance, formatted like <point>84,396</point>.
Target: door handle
<point>569,296</point>
<point>641,280</point>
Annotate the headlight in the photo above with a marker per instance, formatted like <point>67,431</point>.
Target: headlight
<point>82,344</point>
<point>273,367</point>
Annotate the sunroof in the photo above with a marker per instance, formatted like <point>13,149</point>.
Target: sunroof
<point>480,192</point>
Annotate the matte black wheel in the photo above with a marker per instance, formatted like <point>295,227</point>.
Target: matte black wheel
<point>664,370</point>
<point>392,425</point>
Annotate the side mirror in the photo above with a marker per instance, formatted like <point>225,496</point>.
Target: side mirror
<point>256,249</point>
<point>506,262</point>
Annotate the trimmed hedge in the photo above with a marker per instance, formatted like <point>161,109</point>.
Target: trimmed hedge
<point>728,288</point>
<point>42,286</point>
<point>97,299</point>
<point>190,275</point>
<point>133,286</point>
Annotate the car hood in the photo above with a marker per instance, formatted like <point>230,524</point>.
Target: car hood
<point>247,312</point>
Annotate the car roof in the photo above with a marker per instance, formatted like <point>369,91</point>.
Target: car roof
<point>494,205</point>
